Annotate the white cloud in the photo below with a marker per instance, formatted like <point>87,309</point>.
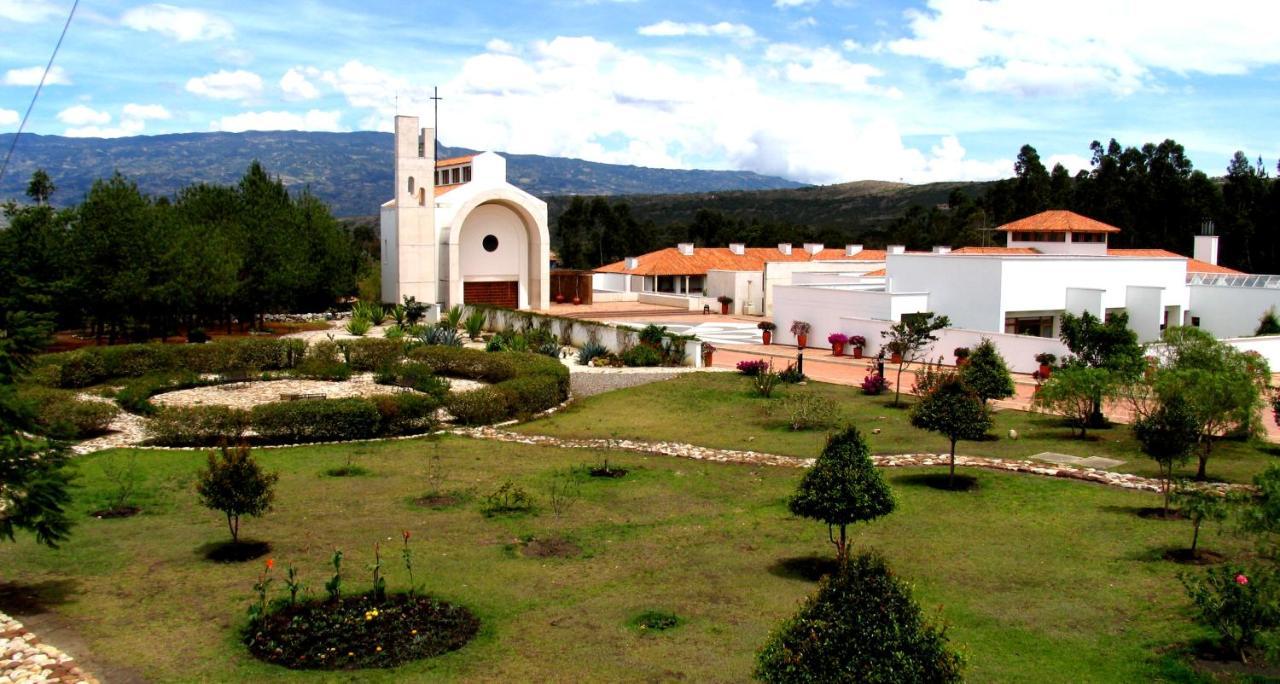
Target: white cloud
<point>672,28</point>
<point>180,24</point>
<point>126,127</point>
<point>1028,47</point>
<point>82,115</point>
<point>850,45</point>
<point>226,85</point>
<point>28,11</point>
<point>500,46</point>
<point>145,112</point>
<point>30,76</point>
<point>8,117</point>
<point>294,83</point>
<point>313,120</point>
<point>784,4</point>
<point>824,66</point>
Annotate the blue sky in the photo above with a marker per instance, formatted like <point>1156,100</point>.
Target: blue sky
<point>820,91</point>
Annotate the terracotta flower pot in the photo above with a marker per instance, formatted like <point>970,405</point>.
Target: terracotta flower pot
<point>961,360</point>
<point>706,358</point>
<point>857,352</point>
<point>724,309</point>
<point>768,336</point>
<point>1045,371</point>
<point>837,349</point>
<point>895,358</point>
<point>801,340</point>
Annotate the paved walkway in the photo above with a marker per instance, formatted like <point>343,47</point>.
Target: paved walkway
<point>691,451</point>
<point>25,660</point>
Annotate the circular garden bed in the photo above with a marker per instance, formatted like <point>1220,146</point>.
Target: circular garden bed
<point>355,632</point>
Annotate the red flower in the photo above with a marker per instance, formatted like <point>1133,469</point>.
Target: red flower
<point>1241,579</point>
<point>405,534</point>
<point>271,563</point>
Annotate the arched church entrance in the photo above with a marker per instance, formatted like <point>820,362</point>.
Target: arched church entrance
<point>494,257</point>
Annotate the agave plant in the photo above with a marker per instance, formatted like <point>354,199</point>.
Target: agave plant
<point>474,324</point>
<point>358,326</point>
<point>370,311</point>
<point>399,315</point>
<point>453,317</point>
<point>394,332</point>
<point>448,337</point>
<point>589,351</point>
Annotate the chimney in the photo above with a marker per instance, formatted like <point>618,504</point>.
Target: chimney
<point>940,249</point>
<point>686,248</point>
<point>813,247</point>
<point>633,263</point>
<point>785,248</point>
<point>897,249</point>
<point>1206,249</point>
<point>852,250</point>
<point>737,248</point>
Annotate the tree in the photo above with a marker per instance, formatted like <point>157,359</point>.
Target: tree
<point>1075,392</point>
<point>34,479</point>
<point>1108,345</point>
<point>40,188</point>
<point>986,373</point>
<point>842,487</point>
<point>1167,435</point>
<point>954,411</point>
<point>909,338</point>
<point>1261,513</point>
<point>861,626</point>
<point>1200,505</point>
<point>1269,324</point>
<point>236,485</point>
<point>1222,386</point>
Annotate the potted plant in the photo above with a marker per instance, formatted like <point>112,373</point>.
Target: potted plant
<point>1045,359</point>
<point>837,342</point>
<point>858,342</point>
<point>801,330</point>
<point>707,351</point>
<point>962,356</point>
<point>766,330</point>
<point>895,352</point>
<point>725,301</point>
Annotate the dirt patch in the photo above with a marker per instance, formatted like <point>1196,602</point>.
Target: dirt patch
<point>235,552</point>
<point>121,512</point>
<point>1202,557</point>
<point>553,547</point>
<point>807,568</point>
<point>439,501</point>
<point>1219,665</point>
<point>608,471</point>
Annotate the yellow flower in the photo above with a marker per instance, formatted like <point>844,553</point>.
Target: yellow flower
<point>379,648</point>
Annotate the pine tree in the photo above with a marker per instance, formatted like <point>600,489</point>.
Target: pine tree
<point>842,487</point>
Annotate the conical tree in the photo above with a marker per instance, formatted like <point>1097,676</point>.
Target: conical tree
<point>861,626</point>
<point>841,488</point>
<point>986,373</point>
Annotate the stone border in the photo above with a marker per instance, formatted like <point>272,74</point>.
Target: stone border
<point>680,450</point>
<point>24,659</point>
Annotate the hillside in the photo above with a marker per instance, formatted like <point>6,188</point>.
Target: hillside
<point>350,171</point>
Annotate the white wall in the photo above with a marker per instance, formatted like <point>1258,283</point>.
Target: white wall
<point>967,289</point>
<point>1268,347</point>
<point>1231,311</point>
<point>783,273</point>
<point>1019,351</point>
<point>609,282</point>
<point>743,286</point>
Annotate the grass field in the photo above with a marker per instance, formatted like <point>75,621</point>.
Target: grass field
<point>1038,579</point>
<point>718,410</point>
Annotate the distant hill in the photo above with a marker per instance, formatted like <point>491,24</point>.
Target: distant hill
<point>350,171</point>
<point>848,209</point>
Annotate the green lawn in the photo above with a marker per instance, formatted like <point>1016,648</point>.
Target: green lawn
<point>718,410</point>
<point>1039,579</point>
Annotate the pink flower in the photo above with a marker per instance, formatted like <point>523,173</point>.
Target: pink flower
<point>1241,579</point>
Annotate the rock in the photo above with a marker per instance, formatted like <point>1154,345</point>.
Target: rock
<point>1013,434</point>
<point>875,431</point>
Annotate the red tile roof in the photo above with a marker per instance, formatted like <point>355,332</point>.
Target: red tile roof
<point>1058,221</point>
<point>1193,265</point>
<point>878,273</point>
<point>670,261</point>
<point>454,161</point>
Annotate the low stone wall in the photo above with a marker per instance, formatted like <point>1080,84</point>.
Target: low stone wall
<point>24,660</point>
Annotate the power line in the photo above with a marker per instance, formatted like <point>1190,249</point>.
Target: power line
<point>40,86</point>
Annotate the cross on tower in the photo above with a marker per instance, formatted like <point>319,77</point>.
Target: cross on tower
<point>435,115</point>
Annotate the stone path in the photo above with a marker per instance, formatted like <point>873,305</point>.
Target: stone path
<point>680,450</point>
<point>1067,459</point>
<point>249,394</point>
<point>126,429</point>
<point>24,660</point>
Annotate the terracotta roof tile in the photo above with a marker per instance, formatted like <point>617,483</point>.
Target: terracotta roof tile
<point>670,261</point>
<point>1193,265</point>
<point>453,161</point>
<point>878,273</point>
<point>1058,221</point>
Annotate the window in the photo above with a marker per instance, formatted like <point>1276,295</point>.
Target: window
<point>1195,321</point>
<point>1027,236</point>
<point>457,175</point>
<point>666,283</point>
<point>1088,237</point>
<point>439,180</point>
<point>466,174</point>
<point>697,283</point>
<point>410,185</point>
<point>490,243</point>
<point>1036,326</point>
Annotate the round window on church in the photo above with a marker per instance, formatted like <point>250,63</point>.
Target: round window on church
<point>490,243</point>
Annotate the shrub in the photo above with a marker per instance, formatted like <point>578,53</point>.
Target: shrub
<point>752,367</point>
<point>652,334</point>
<point>236,485</point>
<point>369,311</point>
<point>135,395</point>
<point>1236,602</point>
<point>373,353</point>
<point>765,382</point>
<point>952,410</point>
<point>874,384</point>
<point>808,412</point>
<point>318,368</point>
<point>508,499</point>
<point>843,487</point>
<point>197,336</point>
<point>63,415</point>
<point>986,373</point>
<point>185,426</point>
<point>414,310</point>
<point>419,376</point>
<point>791,374</point>
<point>479,406</point>
<point>641,356</point>
<point>405,412</point>
<point>531,393</point>
<point>862,625</point>
<point>466,363</point>
<point>82,369</point>
<point>315,420</point>
<point>589,351</point>
<point>358,326</point>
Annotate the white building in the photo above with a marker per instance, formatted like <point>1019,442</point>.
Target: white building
<point>1053,262</point>
<point>457,232</point>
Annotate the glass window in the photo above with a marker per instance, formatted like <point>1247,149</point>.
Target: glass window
<point>666,283</point>
<point>466,174</point>
<point>697,283</point>
<point>1036,326</point>
<point>457,175</point>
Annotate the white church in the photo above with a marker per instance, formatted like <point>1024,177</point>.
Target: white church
<point>456,232</point>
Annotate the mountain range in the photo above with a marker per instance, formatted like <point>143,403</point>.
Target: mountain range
<point>352,172</point>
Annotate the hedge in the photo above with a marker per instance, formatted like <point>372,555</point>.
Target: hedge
<point>95,365</point>
<point>135,395</point>
<point>197,425</point>
<point>372,354</point>
<point>479,406</point>
<point>63,415</point>
<point>315,420</point>
<point>522,383</point>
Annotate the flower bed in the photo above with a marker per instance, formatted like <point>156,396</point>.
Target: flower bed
<point>354,632</point>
